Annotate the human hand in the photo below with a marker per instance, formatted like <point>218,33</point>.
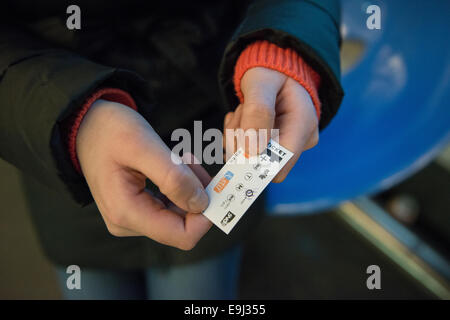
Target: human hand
<point>273,100</point>
<point>117,150</point>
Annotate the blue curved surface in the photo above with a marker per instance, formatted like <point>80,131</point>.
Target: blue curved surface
<point>395,116</point>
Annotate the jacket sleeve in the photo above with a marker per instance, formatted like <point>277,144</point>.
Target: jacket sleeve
<point>310,27</point>
<point>41,86</point>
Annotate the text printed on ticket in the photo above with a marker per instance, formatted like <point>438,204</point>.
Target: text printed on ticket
<point>240,181</point>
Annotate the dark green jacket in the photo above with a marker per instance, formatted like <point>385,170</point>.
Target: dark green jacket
<point>168,57</point>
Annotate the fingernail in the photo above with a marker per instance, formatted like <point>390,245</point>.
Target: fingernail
<point>199,201</point>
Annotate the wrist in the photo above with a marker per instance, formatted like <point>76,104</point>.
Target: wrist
<point>109,94</point>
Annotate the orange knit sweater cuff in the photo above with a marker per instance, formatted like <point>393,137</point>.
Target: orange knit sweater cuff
<point>287,61</point>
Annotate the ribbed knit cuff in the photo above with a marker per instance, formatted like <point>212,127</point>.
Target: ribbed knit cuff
<point>110,94</point>
<point>287,61</point>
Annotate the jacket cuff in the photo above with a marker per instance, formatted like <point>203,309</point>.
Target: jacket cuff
<point>74,122</point>
<point>286,61</point>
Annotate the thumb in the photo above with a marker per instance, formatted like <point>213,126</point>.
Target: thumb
<point>259,87</point>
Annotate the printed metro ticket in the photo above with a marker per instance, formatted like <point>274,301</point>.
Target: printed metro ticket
<point>240,181</point>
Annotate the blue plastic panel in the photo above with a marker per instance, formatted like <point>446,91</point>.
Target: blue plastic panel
<point>396,113</point>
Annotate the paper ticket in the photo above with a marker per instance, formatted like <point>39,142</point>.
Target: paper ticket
<point>240,181</point>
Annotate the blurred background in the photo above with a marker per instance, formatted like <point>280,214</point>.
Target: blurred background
<point>375,191</point>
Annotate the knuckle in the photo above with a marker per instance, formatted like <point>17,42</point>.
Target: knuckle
<point>115,231</point>
<point>188,244</point>
<point>106,210</point>
<point>117,219</point>
<point>313,141</point>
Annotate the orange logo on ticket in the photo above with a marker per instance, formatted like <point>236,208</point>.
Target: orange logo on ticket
<point>223,182</point>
